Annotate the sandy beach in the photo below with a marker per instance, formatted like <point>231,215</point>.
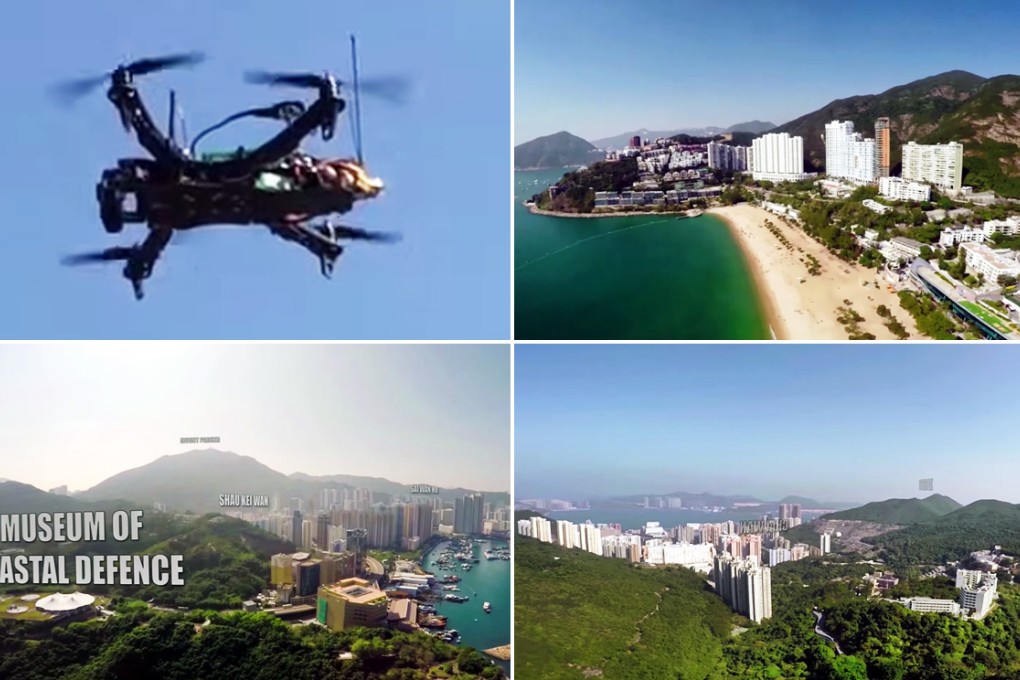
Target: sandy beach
<point>502,652</point>
<point>808,310</point>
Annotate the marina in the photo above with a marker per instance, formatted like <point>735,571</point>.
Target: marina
<point>487,582</point>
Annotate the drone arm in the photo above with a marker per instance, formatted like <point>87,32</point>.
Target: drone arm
<point>323,112</point>
<point>129,104</point>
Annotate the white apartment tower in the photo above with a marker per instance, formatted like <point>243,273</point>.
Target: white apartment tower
<point>777,157</point>
<point>726,157</point>
<point>848,155</point>
<point>826,543</point>
<point>744,586</point>
<point>566,533</point>
<point>938,164</point>
<point>541,528</point>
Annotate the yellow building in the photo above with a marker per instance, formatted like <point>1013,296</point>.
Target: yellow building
<point>352,603</point>
<point>281,568</point>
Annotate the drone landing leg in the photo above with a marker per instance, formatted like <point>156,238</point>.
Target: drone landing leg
<point>140,265</point>
<point>317,244</point>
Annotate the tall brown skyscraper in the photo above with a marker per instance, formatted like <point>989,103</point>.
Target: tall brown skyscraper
<point>882,146</point>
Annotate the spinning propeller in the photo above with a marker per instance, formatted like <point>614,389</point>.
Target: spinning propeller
<point>101,256</point>
<point>392,89</point>
<point>71,90</point>
<point>339,232</point>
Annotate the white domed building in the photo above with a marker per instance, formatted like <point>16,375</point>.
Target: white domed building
<point>65,605</point>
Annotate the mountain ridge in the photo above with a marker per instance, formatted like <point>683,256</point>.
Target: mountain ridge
<point>558,150</point>
<point>193,480</point>
<point>981,113</point>
<point>899,511</point>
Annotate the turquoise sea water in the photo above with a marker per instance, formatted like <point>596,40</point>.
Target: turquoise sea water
<point>491,580</point>
<point>647,277</point>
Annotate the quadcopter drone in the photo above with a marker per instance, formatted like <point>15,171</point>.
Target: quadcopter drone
<point>275,184</point>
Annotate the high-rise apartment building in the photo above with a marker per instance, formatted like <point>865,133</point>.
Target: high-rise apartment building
<point>848,155</point>
<point>468,514</point>
<point>541,529</point>
<point>937,164</point>
<point>745,586</point>
<point>295,528</point>
<point>726,157</point>
<point>825,543</point>
<point>777,157</point>
<point>322,531</point>
<point>882,146</point>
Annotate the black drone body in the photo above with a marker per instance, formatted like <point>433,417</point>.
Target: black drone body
<point>274,185</point>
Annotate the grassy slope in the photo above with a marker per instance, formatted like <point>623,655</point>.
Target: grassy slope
<point>586,612</point>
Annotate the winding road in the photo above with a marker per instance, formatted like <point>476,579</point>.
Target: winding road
<point>819,631</point>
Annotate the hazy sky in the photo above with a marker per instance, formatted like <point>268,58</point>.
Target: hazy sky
<point>854,422</point>
<point>77,414</point>
<point>603,68</point>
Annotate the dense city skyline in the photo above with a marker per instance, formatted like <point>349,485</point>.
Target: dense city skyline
<point>840,423</point>
<point>603,69</point>
<point>436,414</point>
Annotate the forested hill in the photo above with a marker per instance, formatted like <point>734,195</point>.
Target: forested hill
<point>577,615</point>
<point>900,511</point>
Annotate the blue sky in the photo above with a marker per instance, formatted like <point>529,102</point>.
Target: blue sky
<point>414,414</point>
<point>602,68</point>
<point>444,157</point>
<point>831,422</point>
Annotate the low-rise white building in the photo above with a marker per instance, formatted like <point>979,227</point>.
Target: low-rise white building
<point>780,209</point>
<point>930,605</point>
<point>902,248</point>
<point>899,189</point>
<point>952,236</point>
<point>1009,226</point>
<point>875,206</point>
<point>981,259</point>
<point>834,188</point>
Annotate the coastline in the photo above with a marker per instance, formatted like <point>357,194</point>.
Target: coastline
<point>766,298</point>
<point>800,306</point>
<point>535,210</point>
<point>502,652</point>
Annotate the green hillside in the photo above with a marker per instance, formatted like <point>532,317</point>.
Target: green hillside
<point>577,189</point>
<point>977,526</point>
<point>226,561</point>
<point>163,646</point>
<point>899,511</point>
<point>555,151</point>
<point>577,615</point>
<point>981,113</point>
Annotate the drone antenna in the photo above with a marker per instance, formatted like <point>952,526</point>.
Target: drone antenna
<point>173,117</point>
<point>356,119</point>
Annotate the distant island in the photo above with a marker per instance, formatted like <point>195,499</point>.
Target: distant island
<point>560,150</point>
<point>623,139</point>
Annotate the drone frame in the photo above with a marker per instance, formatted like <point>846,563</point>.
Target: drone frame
<point>301,121</point>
